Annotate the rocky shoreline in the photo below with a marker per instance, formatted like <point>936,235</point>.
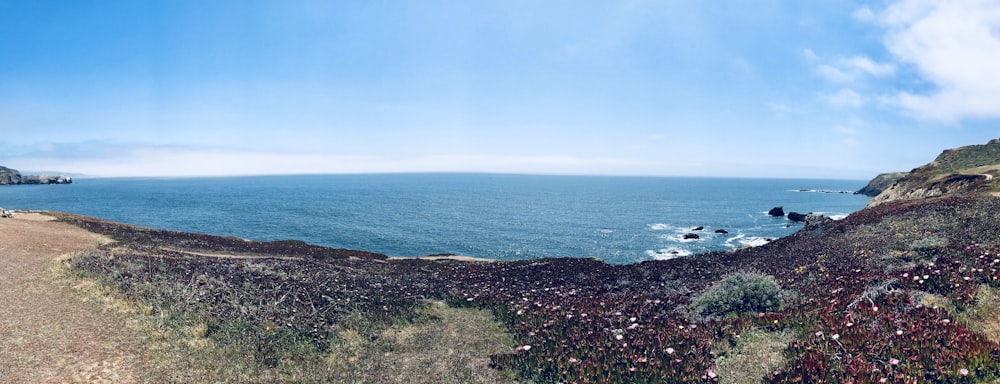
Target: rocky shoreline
<point>10,176</point>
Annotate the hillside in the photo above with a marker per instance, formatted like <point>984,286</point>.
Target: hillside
<point>10,176</point>
<point>905,291</point>
<point>956,171</point>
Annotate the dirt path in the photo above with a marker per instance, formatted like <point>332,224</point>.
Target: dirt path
<point>47,333</point>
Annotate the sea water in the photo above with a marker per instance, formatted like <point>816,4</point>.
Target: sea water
<point>617,219</point>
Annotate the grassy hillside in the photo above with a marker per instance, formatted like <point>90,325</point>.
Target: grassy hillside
<point>905,292</point>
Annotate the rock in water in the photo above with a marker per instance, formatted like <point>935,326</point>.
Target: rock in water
<point>796,217</point>
<point>689,236</point>
<point>776,211</point>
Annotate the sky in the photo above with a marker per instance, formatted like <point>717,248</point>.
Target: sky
<point>762,88</point>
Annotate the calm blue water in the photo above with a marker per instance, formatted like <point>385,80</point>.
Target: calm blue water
<point>618,219</point>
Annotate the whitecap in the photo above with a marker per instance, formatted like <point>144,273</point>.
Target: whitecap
<point>729,241</point>
<point>668,253</point>
<point>660,227</point>
<point>838,216</point>
<point>754,241</point>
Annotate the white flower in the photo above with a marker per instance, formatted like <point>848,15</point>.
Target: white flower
<point>670,351</point>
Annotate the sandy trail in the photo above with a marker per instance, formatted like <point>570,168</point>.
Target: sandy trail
<point>47,333</point>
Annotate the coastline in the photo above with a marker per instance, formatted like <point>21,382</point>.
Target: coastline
<point>830,267</point>
<point>445,257</point>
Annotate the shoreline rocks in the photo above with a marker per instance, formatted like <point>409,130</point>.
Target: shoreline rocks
<point>10,176</point>
<point>778,211</point>
<point>796,217</point>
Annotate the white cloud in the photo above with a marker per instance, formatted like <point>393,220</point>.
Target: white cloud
<point>866,65</point>
<point>851,69</point>
<point>845,98</point>
<point>955,45</point>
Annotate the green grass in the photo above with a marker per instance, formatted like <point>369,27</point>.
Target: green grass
<point>756,355</point>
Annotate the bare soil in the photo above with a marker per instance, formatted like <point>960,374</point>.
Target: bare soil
<point>49,334</point>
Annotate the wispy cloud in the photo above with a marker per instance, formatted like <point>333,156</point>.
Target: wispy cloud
<point>116,160</point>
<point>844,98</point>
<point>854,68</point>
<point>954,45</point>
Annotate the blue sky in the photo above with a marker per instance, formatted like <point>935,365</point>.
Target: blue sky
<point>815,89</point>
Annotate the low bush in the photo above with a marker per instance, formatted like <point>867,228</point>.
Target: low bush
<point>739,293</point>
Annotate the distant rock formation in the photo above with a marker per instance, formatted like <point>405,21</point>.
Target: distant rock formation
<point>12,177</point>
<point>969,169</point>
<point>880,183</point>
<point>777,211</point>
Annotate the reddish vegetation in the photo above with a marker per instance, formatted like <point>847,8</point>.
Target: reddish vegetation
<point>581,320</point>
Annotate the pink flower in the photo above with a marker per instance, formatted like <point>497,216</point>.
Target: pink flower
<point>894,361</point>
<point>670,351</point>
<point>631,369</point>
<point>526,347</point>
<point>819,333</point>
<point>711,374</point>
<point>573,360</point>
<point>619,337</point>
<point>899,332</point>
<point>963,372</point>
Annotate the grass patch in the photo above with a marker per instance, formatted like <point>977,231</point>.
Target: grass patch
<point>984,315</point>
<point>452,346</point>
<point>755,356</point>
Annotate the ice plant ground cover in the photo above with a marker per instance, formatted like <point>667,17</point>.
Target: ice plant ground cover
<point>855,308</point>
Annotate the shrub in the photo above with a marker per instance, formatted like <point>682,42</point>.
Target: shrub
<point>739,293</point>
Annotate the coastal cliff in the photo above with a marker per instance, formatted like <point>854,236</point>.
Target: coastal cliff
<point>880,183</point>
<point>957,171</point>
<point>10,176</point>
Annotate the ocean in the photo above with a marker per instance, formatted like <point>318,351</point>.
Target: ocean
<point>617,219</point>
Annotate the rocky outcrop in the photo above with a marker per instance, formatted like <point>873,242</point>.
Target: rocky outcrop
<point>814,220</point>
<point>969,169</point>
<point>46,179</point>
<point>776,211</point>
<point>880,183</point>
<point>796,217</point>
<point>10,176</point>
